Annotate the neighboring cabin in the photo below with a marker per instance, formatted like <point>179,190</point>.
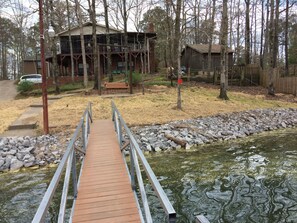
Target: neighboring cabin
<point>141,45</point>
<point>195,57</point>
<point>32,65</point>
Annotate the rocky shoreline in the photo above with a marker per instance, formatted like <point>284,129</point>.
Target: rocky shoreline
<point>221,127</point>
<point>33,152</point>
<point>19,152</point>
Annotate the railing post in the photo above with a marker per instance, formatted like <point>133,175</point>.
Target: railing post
<point>91,113</point>
<point>83,132</point>
<point>112,112</point>
<point>120,137</point>
<point>132,167</point>
<point>86,130</point>
<point>89,123</point>
<point>65,190</point>
<point>74,175</point>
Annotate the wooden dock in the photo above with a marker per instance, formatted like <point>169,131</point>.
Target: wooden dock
<point>104,193</point>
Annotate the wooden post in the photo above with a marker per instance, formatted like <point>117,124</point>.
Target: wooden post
<point>189,74</point>
<point>99,72</point>
<point>130,72</point>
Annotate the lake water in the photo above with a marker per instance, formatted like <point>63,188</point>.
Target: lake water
<point>249,180</point>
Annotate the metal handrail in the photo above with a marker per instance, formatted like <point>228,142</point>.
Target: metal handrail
<point>135,155</point>
<point>69,159</point>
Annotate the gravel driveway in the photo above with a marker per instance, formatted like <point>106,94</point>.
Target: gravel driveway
<point>7,90</point>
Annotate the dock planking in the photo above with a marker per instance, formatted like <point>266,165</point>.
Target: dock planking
<point>104,193</point>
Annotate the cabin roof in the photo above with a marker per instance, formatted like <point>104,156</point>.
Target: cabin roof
<point>87,28</point>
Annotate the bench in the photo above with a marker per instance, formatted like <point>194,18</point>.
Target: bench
<point>116,85</point>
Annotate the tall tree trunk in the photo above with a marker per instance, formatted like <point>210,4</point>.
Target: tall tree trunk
<point>247,32</point>
<point>267,40</point>
<point>238,33</point>
<point>255,33</point>
<point>92,12</point>
<point>108,67</point>
<point>169,34</point>
<point>272,32</point>
<point>224,40</point>
<point>286,38</point>
<point>70,41</point>
<point>211,37</point>
<point>176,49</point>
<point>54,50</point>
<point>125,38</point>
<point>4,61</point>
<point>82,42</point>
<point>262,35</point>
<point>275,35</point>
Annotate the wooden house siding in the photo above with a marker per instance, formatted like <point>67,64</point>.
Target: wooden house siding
<point>137,47</point>
<point>198,61</point>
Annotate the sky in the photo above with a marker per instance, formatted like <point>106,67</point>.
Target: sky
<point>31,8</point>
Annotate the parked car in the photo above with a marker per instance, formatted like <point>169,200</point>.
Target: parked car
<point>34,78</point>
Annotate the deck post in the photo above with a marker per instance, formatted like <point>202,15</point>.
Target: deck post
<point>86,130</point>
<point>120,132</point>
<point>63,202</point>
<point>132,168</point>
<point>74,175</point>
<point>83,132</point>
<point>90,111</point>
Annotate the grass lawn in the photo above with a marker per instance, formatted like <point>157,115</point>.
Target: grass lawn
<point>151,108</point>
<point>157,108</point>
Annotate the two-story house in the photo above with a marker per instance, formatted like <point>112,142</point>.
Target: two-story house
<point>140,46</point>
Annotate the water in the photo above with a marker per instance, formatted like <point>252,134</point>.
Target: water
<point>250,180</point>
<point>21,194</point>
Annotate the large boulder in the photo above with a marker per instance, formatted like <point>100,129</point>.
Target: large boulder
<point>16,164</point>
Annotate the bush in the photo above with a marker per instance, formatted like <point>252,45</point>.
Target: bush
<point>136,78</point>
<point>25,87</point>
<point>164,83</point>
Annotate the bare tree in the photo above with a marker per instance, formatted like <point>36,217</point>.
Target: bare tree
<point>96,52</point>
<point>54,49</point>
<point>224,40</point>
<point>176,48</point>
<point>212,25</point>
<point>247,32</point>
<point>273,45</point>
<point>82,41</point>
<point>108,67</point>
<point>70,40</point>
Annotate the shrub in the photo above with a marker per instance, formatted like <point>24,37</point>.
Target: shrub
<point>164,83</point>
<point>25,87</point>
<point>136,78</point>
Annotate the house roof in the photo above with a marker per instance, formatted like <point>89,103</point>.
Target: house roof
<point>203,48</point>
<point>88,30</point>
